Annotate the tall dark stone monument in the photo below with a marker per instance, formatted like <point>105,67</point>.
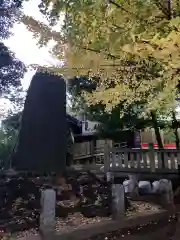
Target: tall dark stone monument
<point>42,137</point>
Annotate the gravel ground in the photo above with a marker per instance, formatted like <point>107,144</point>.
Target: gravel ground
<point>138,207</point>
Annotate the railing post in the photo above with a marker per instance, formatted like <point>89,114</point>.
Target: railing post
<point>93,151</point>
<point>106,158</point>
<point>152,156</point>
<point>179,171</point>
<point>178,160</point>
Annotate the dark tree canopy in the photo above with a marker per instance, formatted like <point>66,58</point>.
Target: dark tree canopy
<point>9,11</point>
<point>11,70</point>
<point>12,122</point>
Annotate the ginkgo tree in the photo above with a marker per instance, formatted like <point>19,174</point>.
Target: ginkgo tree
<point>119,41</point>
<point>132,46</point>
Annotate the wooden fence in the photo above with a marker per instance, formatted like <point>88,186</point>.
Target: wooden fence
<point>142,160</point>
<point>89,150</point>
<point>110,159</point>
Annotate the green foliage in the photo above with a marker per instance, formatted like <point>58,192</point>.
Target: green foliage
<point>7,142</point>
<point>8,138</point>
<point>11,69</point>
<point>12,122</point>
<point>9,13</point>
<point>112,121</point>
<point>169,136</point>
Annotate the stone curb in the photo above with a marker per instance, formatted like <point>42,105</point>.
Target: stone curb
<point>88,231</point>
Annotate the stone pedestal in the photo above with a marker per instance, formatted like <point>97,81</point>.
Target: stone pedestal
<point>47,216</point>
<point>109,176</point>
<point>133,185</point>
<point>118,203</point>
<point>176,229</point>
<point>144,187</point>
<point>165,189</point>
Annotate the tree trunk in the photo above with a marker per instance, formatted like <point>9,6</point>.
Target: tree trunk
<point>156,128</point>
<point>175,128</point>
<point>158,135</point>
<point>169,9</point>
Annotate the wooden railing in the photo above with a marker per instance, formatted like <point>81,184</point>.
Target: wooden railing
<point>118,159</point>
<point>86,150</point>
<point>150,160</point>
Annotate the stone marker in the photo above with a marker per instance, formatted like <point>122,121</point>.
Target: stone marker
<point>155,187</point>
<point>118,204</point>
<point>42,138</point>
<point>109,176</point>
<point>165,189</point>
<point>145,187</point>
<point>133,185</point>
<point>126,186</point>
<point>47,216</point>
<point>176,229</point>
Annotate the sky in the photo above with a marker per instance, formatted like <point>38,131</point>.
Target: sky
<point>25,46</point>
<point>26,49</point>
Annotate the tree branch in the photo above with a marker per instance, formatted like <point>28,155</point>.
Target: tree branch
<point>164,10</point>
<point>109,55</point>
<point>118,6</point>
<point>123,9</point>
<point>39,28</point>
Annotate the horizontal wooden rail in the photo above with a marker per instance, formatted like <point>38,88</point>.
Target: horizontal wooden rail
<point>143,160</point>
<point>116,159</point>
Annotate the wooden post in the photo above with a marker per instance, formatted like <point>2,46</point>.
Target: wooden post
<point>106,158</point>
<point>93,151</point>
<point>152,157</point>
<point>47,216</point>
<point>118,203</point>
<point>162,135</point>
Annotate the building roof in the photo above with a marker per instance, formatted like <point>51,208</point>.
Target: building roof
<point>74,123</point>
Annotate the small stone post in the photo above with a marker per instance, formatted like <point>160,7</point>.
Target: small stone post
<point>109,177</point>
<point>47,216</point>
<point>167,197</point>
<point>176,228</point>
<point>133,185</point>
<point>118,203</point>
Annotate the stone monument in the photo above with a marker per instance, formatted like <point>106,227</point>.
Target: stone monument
<point>42,137</point>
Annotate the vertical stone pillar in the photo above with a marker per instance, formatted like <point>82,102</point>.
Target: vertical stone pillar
<point>167,198</point>
<point>118,203</point>
<point>176,228</point>
<point>42,142</point>
<point>133,185</point>
<point>109,177</point>
<point>48,212</point>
